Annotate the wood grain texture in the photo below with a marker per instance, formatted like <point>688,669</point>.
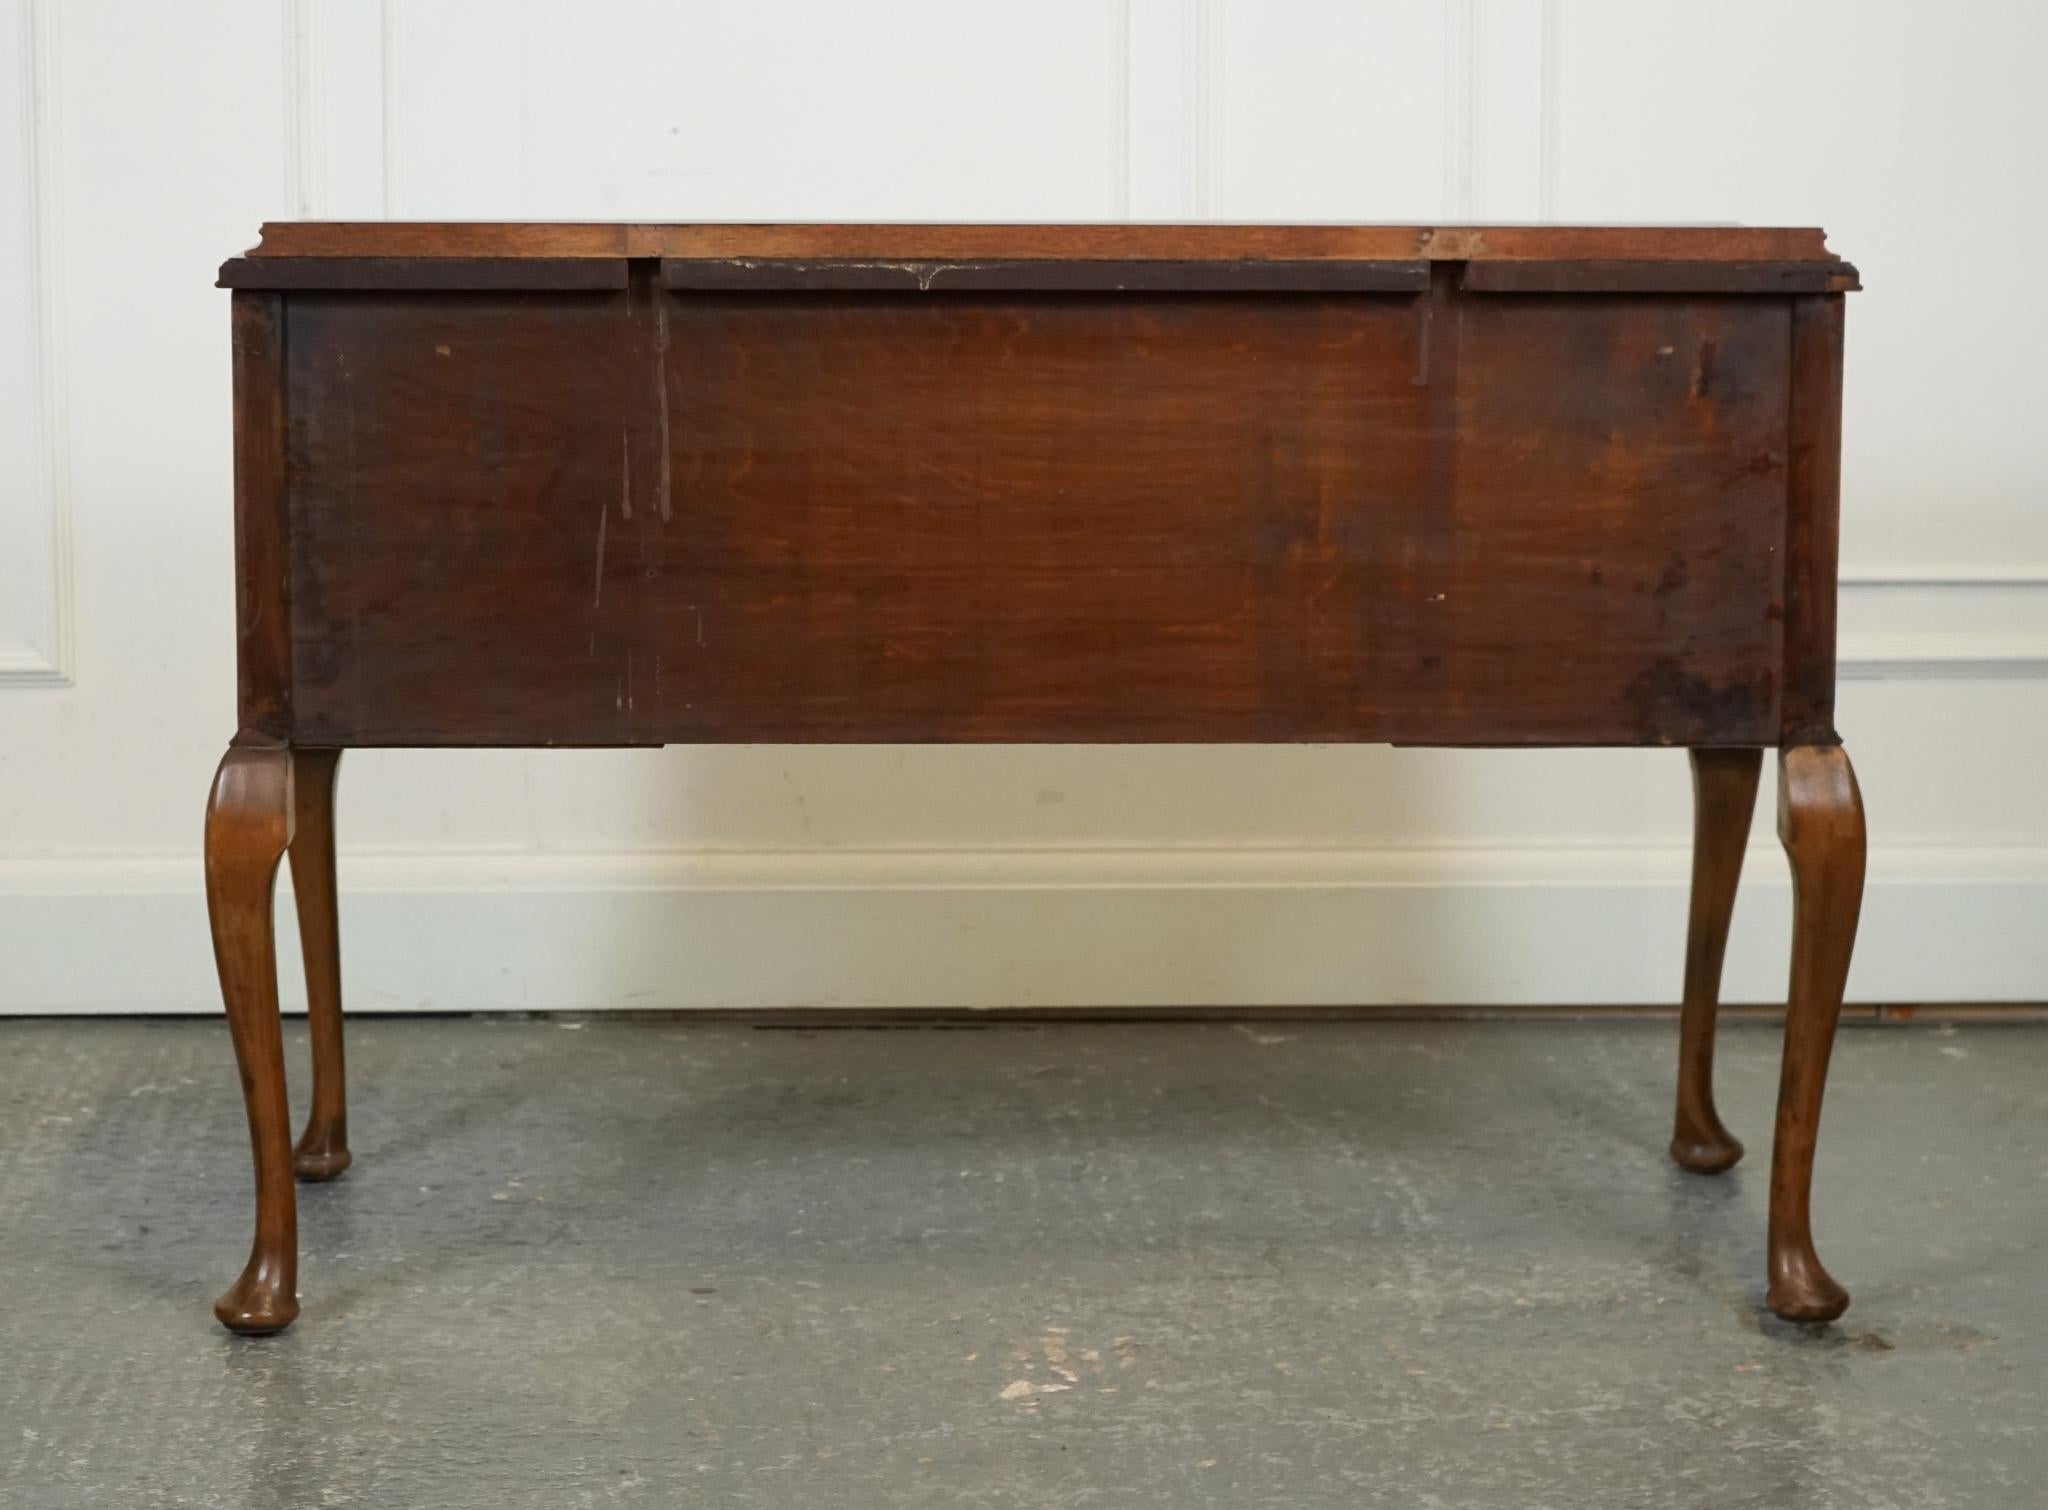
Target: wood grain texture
<point>1610,541</point>
<point>322,1150</point>
<point>424,273</point>
<point>1589,275</point>
<point>1724,786</point>
<point>1813,520</point>
<point>912,242</point>
<point>262,562</point>
<point>1128,275</point>
<point>1820,821</point>
<point>1045,274</point>
<point>614,485</point>
<point>888,517</point>
<point>248,827</point>
<point>1046,519</point>
<point>468,489</point>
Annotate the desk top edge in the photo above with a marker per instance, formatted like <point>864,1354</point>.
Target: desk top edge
<point>1141,242</point>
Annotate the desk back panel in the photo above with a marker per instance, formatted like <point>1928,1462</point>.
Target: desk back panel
<point>675,515</point>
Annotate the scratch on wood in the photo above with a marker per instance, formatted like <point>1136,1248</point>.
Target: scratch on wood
<point>661,400</point>
<point>597,591</point>
<point>625,473</point>
<point>1428,323</point>
<point>923,272</point>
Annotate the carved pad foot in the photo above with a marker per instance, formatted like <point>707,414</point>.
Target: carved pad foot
<point>321,1155</point>
<point>260,1302</point>
<point>1802,1290</point>
<point>1706,1150</point>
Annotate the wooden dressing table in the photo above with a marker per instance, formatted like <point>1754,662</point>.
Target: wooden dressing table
<point>651,484</point>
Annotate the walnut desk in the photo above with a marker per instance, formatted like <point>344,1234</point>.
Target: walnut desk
<point>659,484</point>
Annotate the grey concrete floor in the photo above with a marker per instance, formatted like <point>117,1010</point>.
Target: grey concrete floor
<point>651,1264</point>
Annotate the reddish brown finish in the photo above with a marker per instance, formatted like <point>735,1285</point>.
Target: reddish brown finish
<point>1614,525</point>
<point>1043,276</point>
<point>917,518</point>
<point>1724,798</point>
<point>425,274</point>
<point>1229,243</point>
<point>522,485</point>
<point>1813,503</point>
<point>248,827</point>
<point>262,572</point>
<point>1053,519</point>
<point>322,1151</point>
<point>460,471</point>
<point>1621,277</point>
<point>1820,820</point>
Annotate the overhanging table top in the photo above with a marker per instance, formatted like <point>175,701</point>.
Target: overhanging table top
<point>398,256</point>
<point>565,239</point>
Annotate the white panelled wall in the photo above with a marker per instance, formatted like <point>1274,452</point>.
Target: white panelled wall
<point>143,143</point>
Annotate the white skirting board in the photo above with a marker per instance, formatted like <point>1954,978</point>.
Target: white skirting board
<point>1036,928</point>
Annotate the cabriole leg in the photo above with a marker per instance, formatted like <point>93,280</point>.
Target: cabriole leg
<point>1724,798</point>
<point>1820,820</point>
<point>248,827</point>
<point>322,1151</point>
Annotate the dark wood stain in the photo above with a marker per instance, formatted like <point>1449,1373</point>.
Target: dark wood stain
<point>1820,822</point>
<point>1724,276</point>
<point>248,827</point>
<point>953,243</point>
<point>1813,522</point>
<point>262,565</point>
<point>1032,516</point>
<point>419,274</point>
<point>1724,786</point>
<point>322,1150</point>
<point>1126,275</point>
<point>616,485</point>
